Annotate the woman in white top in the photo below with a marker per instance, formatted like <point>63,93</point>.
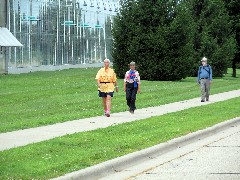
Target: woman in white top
<point>131,86</point>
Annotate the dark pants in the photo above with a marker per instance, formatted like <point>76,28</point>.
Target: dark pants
<point>131,93</point>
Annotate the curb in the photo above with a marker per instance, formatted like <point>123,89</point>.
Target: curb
<point>118,164</point>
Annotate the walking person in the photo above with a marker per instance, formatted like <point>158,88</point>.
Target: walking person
<point>131,86</point>
<point>106,80</point>
<point>204,79</point>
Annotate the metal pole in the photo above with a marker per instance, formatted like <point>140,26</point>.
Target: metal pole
<point>81,37</point>
<point>95,44</point>
<point>105,48</point>
<point>3,23</point>
<point>64,33</point>
<point>57,43</point>
<point>20,30</point>
<point>29,36</point>
<point>14,32</point>
<point>74,45</point>
<point>69,36</point>
<point>99,46</point>
<point>3,13</point>
<point>84,38</point>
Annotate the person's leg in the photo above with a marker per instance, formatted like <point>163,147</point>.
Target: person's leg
<point>133,99</point>
<point>207,89</point>
<point>128,96</point>
<point>203,89</point>
<point>104,100</point>
<point>108,105</point>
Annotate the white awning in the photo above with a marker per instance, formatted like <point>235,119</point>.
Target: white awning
<point>7,39</point>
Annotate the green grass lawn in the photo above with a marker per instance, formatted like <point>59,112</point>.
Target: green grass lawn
<point>69,153</point>
<point>42,98</point>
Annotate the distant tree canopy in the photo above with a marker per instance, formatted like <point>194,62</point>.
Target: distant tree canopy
<point>167,38</point>
<point>233,7</point>
<point>157,36</point>
<point>213,36</point>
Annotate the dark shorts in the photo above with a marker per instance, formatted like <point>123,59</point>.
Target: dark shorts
<point>104,94</point>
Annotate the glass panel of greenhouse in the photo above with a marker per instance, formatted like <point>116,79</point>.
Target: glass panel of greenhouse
<point>59,32</point>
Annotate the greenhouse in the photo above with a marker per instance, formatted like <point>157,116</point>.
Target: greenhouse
<point>60,32</point>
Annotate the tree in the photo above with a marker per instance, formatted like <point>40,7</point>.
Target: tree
<point>213,37</point>
<point>157,35</point>
<point>233,7</point>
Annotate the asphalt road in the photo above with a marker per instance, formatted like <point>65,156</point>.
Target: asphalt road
<point>218,159</point>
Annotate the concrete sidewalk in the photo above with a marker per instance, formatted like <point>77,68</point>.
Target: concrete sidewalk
<point>23,137</point>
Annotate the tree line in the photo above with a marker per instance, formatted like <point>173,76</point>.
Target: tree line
<point>168,38</point>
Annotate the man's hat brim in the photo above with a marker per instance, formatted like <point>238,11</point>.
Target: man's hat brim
<point>132,64</point>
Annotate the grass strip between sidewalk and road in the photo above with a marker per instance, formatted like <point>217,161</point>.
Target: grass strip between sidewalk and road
<point>69,153</point>
<point>43,98</point>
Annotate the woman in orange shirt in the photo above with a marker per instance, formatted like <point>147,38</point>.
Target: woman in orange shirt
<point>106,79</point>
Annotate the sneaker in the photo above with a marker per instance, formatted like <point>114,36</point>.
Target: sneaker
<point>207,99</point>
<point>107,114</point>
<point>202,101</point>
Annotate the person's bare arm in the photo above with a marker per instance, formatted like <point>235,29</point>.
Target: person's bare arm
<point>98,83</point>
<point>116,86</point>
<point>124,86</point>
<point>139,90</point>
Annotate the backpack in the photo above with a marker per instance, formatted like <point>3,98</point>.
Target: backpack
<point>203,67</point>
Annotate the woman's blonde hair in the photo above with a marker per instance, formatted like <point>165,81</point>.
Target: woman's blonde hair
<point>106,60</point>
